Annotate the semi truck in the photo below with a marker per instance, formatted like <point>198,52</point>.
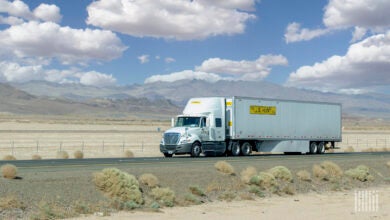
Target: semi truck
<point>237,126</point>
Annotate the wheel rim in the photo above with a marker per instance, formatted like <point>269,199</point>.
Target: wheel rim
<point>246,149</point>
<point>321,148</point>
<point>313,148</point>
<point>196,150</point>
<point>236,149</point>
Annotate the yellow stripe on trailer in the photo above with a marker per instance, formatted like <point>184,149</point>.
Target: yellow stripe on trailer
<point>195,102</point>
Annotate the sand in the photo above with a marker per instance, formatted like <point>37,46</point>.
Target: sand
<point>329,205</point>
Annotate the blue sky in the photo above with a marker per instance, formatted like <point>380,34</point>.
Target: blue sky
<point>337,45</point>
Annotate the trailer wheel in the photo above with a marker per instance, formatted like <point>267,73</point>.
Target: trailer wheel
<point>321,148</point>
<point>246,149</point>
<point>195,150</point>
<point>236,149</point>
<point>167,155</point>
<point>313,148</point>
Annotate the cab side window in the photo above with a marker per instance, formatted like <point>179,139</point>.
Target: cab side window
<point>218,122</point>
<point>203,123</point>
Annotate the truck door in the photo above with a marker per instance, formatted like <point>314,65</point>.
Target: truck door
<point>204,130</point>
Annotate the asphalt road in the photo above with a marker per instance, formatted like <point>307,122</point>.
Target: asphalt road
<point>178,161</point>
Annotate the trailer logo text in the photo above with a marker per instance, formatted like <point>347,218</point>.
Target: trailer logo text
<point>262,110</point>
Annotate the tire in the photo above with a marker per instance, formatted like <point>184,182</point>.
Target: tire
<point>167,155</point>
<point>236,150</point>
<point>196,149</point>
<point>321,148</point>
<point>313,149</point>
<point>246,149</point>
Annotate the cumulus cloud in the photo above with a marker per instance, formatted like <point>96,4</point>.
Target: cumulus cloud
<point>169,60</point>
<point>244,70</point>
<point>184,75</point>
<point>364,67</point>
<point>362,15</point>
<point>43,12</point>
<point>50,40</point>
<point>171,19</point>
<point>215,69</point>
<point>14,72</point>
<point>295,33</point>
<point>143,59</point>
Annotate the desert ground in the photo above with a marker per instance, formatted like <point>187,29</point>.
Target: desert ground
<point>24,137</point>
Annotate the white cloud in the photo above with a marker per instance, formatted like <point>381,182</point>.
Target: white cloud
<point>14,72</point>
<point>97,79</point>
<point>47,12</point>
<point>10,20</point>
<point>294,33</point>
<point>364,67</point>
<point>244,70</point>
<point>171,19</point>
<point>49,40</point>
<point>362,15</point>
<point>143,59</point>
<point>170,60</point>
<point>184,75</point>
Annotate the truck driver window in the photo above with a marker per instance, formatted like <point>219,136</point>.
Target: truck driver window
<point>218,122</point>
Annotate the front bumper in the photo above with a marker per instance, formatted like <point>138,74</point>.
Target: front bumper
<point>176,149</point>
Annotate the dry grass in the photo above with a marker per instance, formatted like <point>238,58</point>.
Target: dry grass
<point>328,171</point>
<point>281,173</point>
<point>36,157</point>
<point>9,171</point>
<point>11,202</point>
<point>264,180</point>
<point>361,173</point>
<point>128,154</point>
<point>304,175</point>
<point>149,180</point>
<point>224,167</point>
<point>247,174</point>
<point>164,196</point>
<point>349,149</point>
<point>196,190</point>
<point>9,157</point>
<point>118,185</point>
<point>78,154</point>
<point>62,155</point>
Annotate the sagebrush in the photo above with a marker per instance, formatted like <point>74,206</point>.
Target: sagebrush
<point>224,167</point>
<point>9,171</point>
<point>149,180</point>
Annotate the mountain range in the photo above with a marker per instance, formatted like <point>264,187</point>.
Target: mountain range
<point>167,98</point>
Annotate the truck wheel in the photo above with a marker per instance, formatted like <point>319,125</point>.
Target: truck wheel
<point>246,149</point>
<point>236,149</point>
<point>167,155</point>
<point>321,148</point>
<point>313,148</point>
<point>195,150</point>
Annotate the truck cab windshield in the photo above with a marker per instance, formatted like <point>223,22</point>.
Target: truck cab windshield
<point>189,122</point>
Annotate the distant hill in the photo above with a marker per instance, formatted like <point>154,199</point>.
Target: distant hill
<point>178,92</point>
<point>14,101</point>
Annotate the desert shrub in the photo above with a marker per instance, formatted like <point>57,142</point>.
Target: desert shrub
<point>281,173</point>
<point>349,149</point>
<point>264,180</point>
<point>36,157</point>
<point>196,190</point>
<point>304,175</point>
<point>247,174</point>
<point>9,157</point>
<point>149,180</point>
<point>9,171</point>
<point>62,155</point>
<point>328,171</point>
<point>288,189</point>
<point>52,211</point>
<point>257,191</point>
<point>192,199</point>
<point>164,196</point>
<point>361,173</point>
<point>388,164</point>
<point>11,202</point>
<point>227,196</point>
<point>224,167</point>
<point>118,185</point>
<point>78,154</point>
<point>128,154</point>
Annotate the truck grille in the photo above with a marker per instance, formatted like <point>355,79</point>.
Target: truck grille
<point>171,138</point>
